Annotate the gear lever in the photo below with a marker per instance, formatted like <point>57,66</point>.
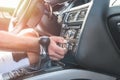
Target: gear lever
<point>44,57</point>
<point>43,62</point>
<point>44,41</point>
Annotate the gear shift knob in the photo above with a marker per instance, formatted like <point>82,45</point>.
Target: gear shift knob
<point>45,41</point>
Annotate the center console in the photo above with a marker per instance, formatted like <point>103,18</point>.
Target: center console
<point>73,24</point>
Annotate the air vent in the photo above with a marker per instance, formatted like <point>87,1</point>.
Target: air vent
<point>72,16</point>
<point>82,14</point>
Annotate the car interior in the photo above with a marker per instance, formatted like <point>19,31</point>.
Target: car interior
<point>92,29</point>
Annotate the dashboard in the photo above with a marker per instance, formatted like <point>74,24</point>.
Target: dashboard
<point>73,24</point>
<point>76,15</point>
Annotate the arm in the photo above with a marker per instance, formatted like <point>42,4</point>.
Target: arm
<point>55,52</point>
<point>11,42</point>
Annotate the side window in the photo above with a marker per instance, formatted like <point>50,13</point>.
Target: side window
<point>7,8</point>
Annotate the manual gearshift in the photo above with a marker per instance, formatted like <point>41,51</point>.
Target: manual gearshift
<point>42,64</point>
<point>44,57</point>
<point>44,41</point>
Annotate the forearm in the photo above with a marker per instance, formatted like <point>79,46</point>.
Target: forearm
<point>11,42</point>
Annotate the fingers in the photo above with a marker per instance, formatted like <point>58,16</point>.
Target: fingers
<point>58,55</point>
<point>59,50</point>
<point>58,39</point>
<point>55,55</point>
<point>56,52</point>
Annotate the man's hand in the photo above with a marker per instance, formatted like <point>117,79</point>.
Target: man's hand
<point>55,51</point>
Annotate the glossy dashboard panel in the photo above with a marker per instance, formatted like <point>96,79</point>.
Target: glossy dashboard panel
<point>76,16</point>
<point>72,25</point>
